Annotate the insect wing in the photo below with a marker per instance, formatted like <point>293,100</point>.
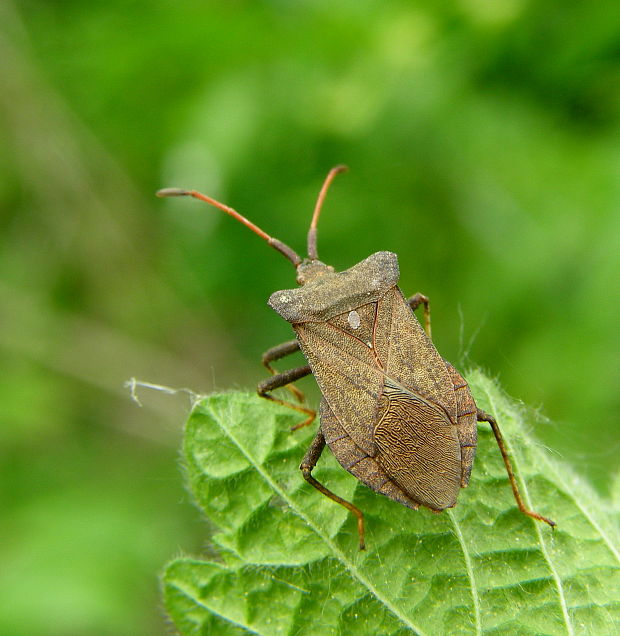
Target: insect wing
<point>419,448</point>
<point>347,374</point>
<point>368,364</point>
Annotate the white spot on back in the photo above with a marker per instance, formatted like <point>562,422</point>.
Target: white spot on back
<point>354,319</point>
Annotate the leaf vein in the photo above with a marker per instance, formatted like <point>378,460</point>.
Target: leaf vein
<point>336,551</point>
<point>541,541</point>
<point>209,609</point>
<point>470,571</point>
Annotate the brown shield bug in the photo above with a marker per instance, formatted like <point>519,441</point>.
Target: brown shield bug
<point>395,414</point>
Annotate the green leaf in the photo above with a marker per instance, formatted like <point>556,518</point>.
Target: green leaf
<point>285,559</point>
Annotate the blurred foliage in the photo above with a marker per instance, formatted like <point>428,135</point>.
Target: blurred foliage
<point>482,138</point>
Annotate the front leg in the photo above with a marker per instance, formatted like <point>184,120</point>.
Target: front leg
<point>281,380</point>
<point>280,351</point>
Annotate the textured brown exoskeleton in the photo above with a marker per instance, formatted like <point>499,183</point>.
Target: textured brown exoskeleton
<point>395,414</point>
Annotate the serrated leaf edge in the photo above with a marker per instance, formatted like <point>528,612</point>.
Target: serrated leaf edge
<point>587,512</point>
<point>560,480</point>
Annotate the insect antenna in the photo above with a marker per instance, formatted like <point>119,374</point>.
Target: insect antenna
<point>312,251</point>
<point>284,249</point>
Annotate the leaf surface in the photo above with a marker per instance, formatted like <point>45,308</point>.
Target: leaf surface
<point>285,559</point>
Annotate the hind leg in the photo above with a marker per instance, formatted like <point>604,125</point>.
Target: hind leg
<point>485,417</point>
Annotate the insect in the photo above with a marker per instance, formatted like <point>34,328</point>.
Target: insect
<point>396,415</point>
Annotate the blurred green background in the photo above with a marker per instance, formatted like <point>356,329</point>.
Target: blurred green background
<point>483,141</point>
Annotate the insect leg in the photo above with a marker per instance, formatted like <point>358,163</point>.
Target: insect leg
<point>307,465</point>
<point>485,417</point>
<point>280,351</point>
<point>281,380</point>
<point>420,299</point>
